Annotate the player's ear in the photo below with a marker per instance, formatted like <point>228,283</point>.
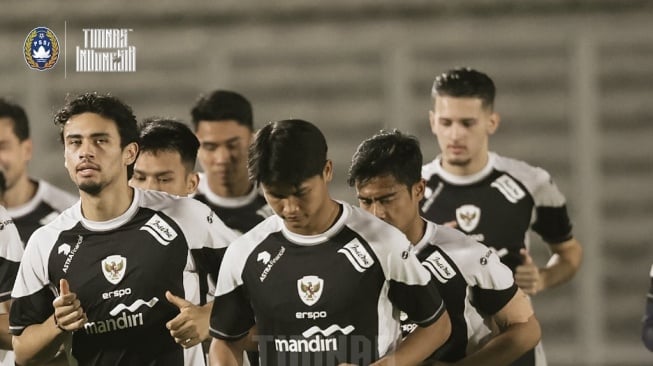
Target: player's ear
<point>327,172</point>
<point>418,189</point>
<point>192,181</point>
<point>432,121</point>
<point>130,153</point>
<point>495,120</point>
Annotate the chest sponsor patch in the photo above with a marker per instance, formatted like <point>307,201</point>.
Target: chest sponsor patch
<point>439,267</point>
<point>468,217</point>
<point>160,230</point>
<point>356,253</point>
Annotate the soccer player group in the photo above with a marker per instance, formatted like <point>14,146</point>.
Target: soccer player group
<point>254,256</point>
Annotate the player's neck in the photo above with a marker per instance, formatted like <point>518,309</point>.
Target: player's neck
<point>415,232</point>
<point>322,220</point>
<point>474,166</point>
<point>20,193</point>
<point>239,189</point>
<point>108,204</point>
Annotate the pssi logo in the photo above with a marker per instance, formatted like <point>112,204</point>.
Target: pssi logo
<point>41,49</point>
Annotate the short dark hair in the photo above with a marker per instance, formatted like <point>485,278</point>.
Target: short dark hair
<point>108,107</point>
<point>387,153</point>
<point>164,134</point>
<point>287,153</point>
<point>465,82</point>
<point>223,105</point>
<point>18,116</point>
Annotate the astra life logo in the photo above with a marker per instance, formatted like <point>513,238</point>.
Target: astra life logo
<point>160,230</point>
<point>264,257</point>
<point>70,254</point>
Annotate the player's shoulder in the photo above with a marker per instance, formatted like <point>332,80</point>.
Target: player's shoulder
<point>12,246</point>
<point>382,237</point>
<point>245,244</point>
<point>43,238</point>
<point>171,204</point>
<point>529,175</point>
<point>461,248</point>
<point>54,196</point>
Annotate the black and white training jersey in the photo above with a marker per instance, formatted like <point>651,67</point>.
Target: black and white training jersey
<point>11,251</point>
<point>239,213</point>
<point>120,270</point>
<point>48,202</point>
<point>472,281</point>
<point>323,299</point>
<point>498,205</point>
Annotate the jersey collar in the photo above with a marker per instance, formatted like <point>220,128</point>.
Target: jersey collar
<point>465,179</point>
<point>309,240</point>
<point>113,223</point>
<point>228,202</point>
<point>431,228</point>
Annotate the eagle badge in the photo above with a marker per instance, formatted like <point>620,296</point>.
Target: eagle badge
<point>310,289</point>
<point>114,267</point>
<point>468,217</point>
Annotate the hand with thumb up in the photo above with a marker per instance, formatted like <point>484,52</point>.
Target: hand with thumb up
<point>191,326</point>
<point>527,275</point>
<point>68,313</point>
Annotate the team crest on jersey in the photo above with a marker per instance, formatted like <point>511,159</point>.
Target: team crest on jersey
<point>509,188</point>
<point>468,217</point>
<point>41,49</point>
<point>160,230</point>
<point>310,289</point>
<point>114,267</point>
<point>357,255</point>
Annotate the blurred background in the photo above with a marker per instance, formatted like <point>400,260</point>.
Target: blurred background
<point>574,82</point>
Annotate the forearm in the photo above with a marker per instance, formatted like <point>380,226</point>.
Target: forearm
<point>562,265</point>
<point>205,312</point>
<point>507,346</point>
<point>5,337</point>
<point>223,353</point>
<point>419,344</point>
<point>38,343</point>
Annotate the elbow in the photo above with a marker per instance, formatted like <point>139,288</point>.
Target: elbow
<point>22,357</point>
<point>534,332</point>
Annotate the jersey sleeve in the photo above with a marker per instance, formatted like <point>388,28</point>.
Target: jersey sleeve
<point>412,289</point>
<point>552,221</point>
<point>493,285</point>
<point>11,251</point>
<point>210,254</point>
<point>32,293</point>
<point>232,315</point>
